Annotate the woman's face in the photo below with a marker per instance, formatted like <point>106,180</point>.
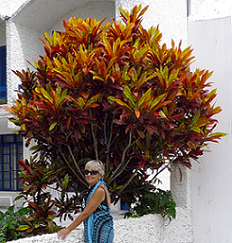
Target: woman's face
<point>92,179</point>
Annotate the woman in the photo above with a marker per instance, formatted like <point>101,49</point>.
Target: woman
<point>98,223</point>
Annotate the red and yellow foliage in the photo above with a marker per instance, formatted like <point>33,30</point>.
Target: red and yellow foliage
<point>113,92</point>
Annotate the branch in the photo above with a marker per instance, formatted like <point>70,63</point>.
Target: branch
<point>108,141</point>
<point>73,158</point>
<point>64,157</point>
<point>114,175</point>
<point>128,182</point>
<point>75,162</point>
<point>158,172</point>
<point>94,140</point>
<point>71,168</point>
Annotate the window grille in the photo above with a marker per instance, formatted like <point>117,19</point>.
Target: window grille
<point>11,150</point>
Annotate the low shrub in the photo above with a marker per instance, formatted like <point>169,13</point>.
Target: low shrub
<point>14,224</point>
<point>9,222</point>
<point>155,201</point>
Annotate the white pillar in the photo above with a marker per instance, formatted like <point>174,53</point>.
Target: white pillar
<point>181,185</point>
<point>211,179</point>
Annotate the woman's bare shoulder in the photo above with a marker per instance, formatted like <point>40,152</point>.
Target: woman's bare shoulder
<point>100,190</point>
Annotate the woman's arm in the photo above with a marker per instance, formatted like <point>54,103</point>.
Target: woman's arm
<point>94,202</point>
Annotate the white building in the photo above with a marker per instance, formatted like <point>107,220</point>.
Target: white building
<point>204,197</point>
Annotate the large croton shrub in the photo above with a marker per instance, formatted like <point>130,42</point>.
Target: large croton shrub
<point>113,92</point>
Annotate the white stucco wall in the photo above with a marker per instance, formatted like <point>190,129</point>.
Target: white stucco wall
<point>162,13</point>
<point>210,35</point>
<point>210,9</point>
<point>94,10</point>
<point>22,45</point>
<point>211,178</point>
<point>8,7</point>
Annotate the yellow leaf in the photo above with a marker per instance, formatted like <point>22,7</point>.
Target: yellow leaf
<point>145,98</point>
<point>157,100</point>
<point>128,94</point>
<point>139,144</point>
<point>195,129</point>
<point>191,145</point>
<point>121,103</point>
<point>81,102</point>
<point>23,126</point>
<point>141,134</point>
<point>162,115</point>
<point>45,94</point>
<point>202,122</point>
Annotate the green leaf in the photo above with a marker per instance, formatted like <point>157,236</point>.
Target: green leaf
<point>125,12</point>
<point>35,148</point>
<point>128,94</point>
<point>144,78</point>
<point>45,94</point>
<point>98,78</point>
<point>57,95</point>
<point>195,118</point>
<point>24,227</point>
<point>62,97</point>
<point>18,197</point>
<point>211,95</point>
<point>125,76</point>
<point>37,226</point>
<point>121,103</point>
<point>93,99</point>
<point>15,121</point>
<point>66,179</point>
<point>45,176</point>
<point>51,216</point>
<point>218,134</point>
<point>195,129</point>
<point>157,100</point>
<point>145,98</point>
<point>23,175</point>
<point>52,126</point>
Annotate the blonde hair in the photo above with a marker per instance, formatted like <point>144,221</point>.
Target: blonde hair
<point>96,165</point>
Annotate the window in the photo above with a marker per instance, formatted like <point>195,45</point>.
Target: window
<point>2,74</point>
<point>11,150</point>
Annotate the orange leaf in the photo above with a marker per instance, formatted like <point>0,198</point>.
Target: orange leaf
<point>137,113</point>
<point>69,122</point>
<point>29,231</point>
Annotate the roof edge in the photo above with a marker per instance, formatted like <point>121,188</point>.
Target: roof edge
<point>4,17</point>
<point>20,8</point>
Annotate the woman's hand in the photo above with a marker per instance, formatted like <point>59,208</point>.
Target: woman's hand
<point>63,233</point>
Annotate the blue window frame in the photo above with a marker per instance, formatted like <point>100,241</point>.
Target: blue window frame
<point>11,150</point>
<point>3,73</point>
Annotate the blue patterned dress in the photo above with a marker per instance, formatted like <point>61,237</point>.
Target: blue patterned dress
<point>99,225</point>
